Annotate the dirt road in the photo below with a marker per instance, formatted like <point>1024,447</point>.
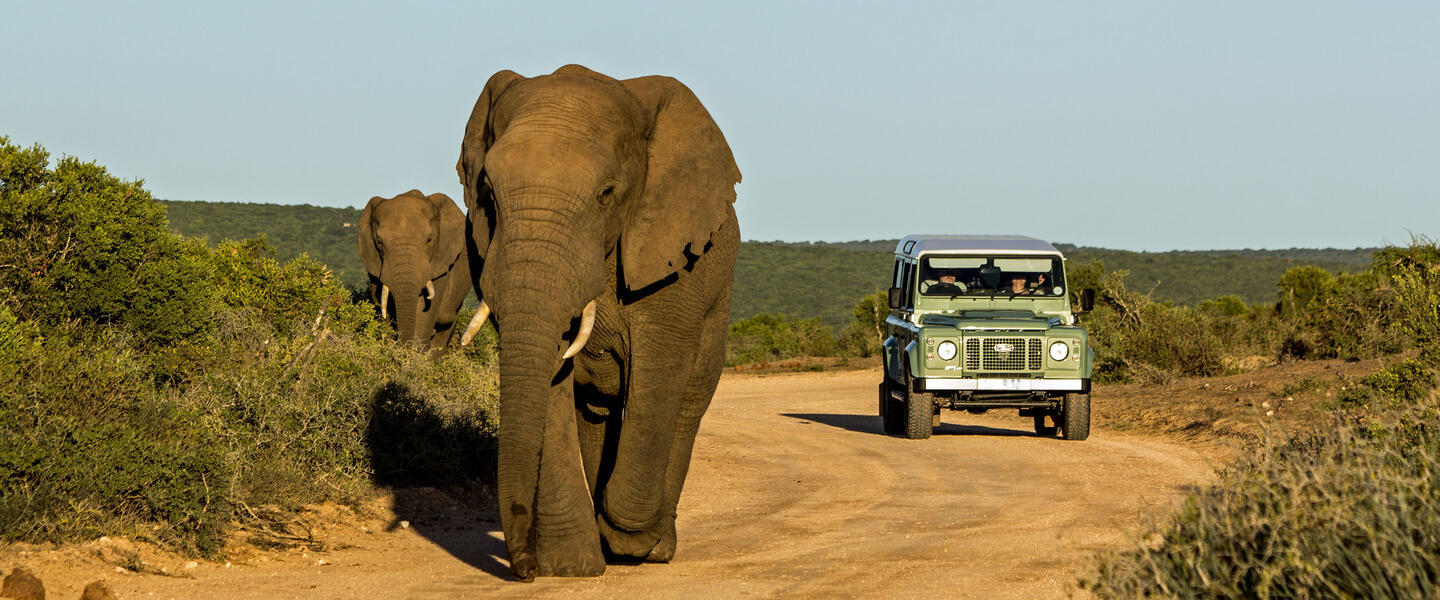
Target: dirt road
<point>793,493</point>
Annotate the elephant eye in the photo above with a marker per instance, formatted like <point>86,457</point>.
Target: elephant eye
<point>606,194</point>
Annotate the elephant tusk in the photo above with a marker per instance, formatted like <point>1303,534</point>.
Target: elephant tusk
<point>430,289</point>
<point>587,323</point>
<point>475,322</point>
<point>384,301</point>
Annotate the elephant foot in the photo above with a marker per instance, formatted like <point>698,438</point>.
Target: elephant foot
<point>664,550</point>
<point>572,556</point>
<point>637,544</point>
<point>523,567</point>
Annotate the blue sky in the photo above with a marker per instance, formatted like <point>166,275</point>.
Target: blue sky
<point>1137,125</point>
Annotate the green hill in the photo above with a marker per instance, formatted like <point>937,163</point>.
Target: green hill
<point>804,279</point>
<point>326,234</point>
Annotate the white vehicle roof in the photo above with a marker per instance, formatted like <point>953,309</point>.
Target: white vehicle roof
<point>915,245</point>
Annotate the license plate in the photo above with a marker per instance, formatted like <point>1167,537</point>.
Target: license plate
<point>1004,384</point>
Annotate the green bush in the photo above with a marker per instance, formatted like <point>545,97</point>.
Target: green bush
<point>87,448</point>
<point>153,388</point>
<point>765,337</point>
<point>300,421</point>
<point>866,331</point>
<point>77,243</point>
<point>1415,274</point>
<point>1405,382</point>
<point>1389,308</point>
<point>1228,305</point>
<point>289,297</point>
<point>1345,513</point>
<point>1137,339</point>
<point>1302,287</point>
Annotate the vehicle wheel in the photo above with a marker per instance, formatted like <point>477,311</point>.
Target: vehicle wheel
<point>919,413</point>
<point>1041,429</point>
<point>1075,425</point>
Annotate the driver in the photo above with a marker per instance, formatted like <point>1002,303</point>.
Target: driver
<point>946,283</point>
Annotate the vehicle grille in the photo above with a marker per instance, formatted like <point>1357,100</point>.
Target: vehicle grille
<point>981,355</point>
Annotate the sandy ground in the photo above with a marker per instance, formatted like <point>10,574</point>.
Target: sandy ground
<point>793,492</point>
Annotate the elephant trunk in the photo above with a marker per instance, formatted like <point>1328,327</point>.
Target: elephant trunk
<point>539,298</point>
<point>405,274</point>
<point>533,388</point>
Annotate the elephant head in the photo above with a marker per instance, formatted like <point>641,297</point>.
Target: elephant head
<point>408,243</point>
<point>579,188</point>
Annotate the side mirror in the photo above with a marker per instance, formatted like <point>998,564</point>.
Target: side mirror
<point>896,297</point>
<point>1087,300</point>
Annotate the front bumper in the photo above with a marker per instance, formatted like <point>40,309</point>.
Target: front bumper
<point>991,384</point>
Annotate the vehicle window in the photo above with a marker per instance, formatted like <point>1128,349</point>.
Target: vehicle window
<point>909,285</point>
<point>991,276</point>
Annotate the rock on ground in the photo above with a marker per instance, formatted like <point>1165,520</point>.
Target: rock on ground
<point>21,584</point>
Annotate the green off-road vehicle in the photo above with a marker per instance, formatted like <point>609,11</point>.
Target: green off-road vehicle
<point>979,323</point>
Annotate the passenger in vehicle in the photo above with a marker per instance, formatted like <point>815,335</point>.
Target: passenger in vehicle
<point>1020,284</point>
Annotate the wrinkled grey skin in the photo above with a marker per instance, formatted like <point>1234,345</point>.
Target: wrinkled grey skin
<point>581,187</point>
<point>407,241</point>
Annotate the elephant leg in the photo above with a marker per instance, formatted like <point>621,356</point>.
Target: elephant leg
<point>567,540</point>
<point>441,338</point>
<point>633,496</point>
<point>452,294</point>
<point>700,388</point>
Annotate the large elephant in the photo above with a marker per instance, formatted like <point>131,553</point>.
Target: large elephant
<point>605,237</point>
<point>413,246</point>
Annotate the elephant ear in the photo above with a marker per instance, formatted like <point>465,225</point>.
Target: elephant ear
<point>368,253</point>
<point>479,135</point>
<point>689,186</point>
<point>450,227</point>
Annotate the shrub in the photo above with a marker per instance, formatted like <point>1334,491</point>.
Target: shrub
<point>150,387</point>
<point>1405,382</point>
<point>766,337</point>
<point>1415,273</point>
<point>1345,316</point>
<point>1341,514</point>
<point>77,243</point>
<point>1135,338</point>
<point>866,331</point>
<point>289,297</point>
<point>1228,305</point>
<point>1302,287</point>
<point>301,421</point>
<point>86,449</point>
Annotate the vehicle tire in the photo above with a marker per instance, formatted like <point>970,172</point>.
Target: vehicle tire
<point>1075,424</point>
<point>1041,429</point>
<point>919,413</point>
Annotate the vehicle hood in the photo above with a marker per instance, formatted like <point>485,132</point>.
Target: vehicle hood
<point>1004,320</point>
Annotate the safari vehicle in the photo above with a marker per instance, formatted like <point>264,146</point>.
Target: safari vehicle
<point>979,323</point>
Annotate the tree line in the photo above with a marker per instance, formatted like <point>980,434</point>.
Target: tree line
<point>820,280</point>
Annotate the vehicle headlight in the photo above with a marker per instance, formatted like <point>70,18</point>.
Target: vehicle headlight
<point>946,350</point>
<point>1059,350</point>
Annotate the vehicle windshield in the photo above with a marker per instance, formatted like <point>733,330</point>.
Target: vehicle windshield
<point>992,276</point>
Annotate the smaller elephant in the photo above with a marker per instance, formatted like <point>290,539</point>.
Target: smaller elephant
<point>413,246</point>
